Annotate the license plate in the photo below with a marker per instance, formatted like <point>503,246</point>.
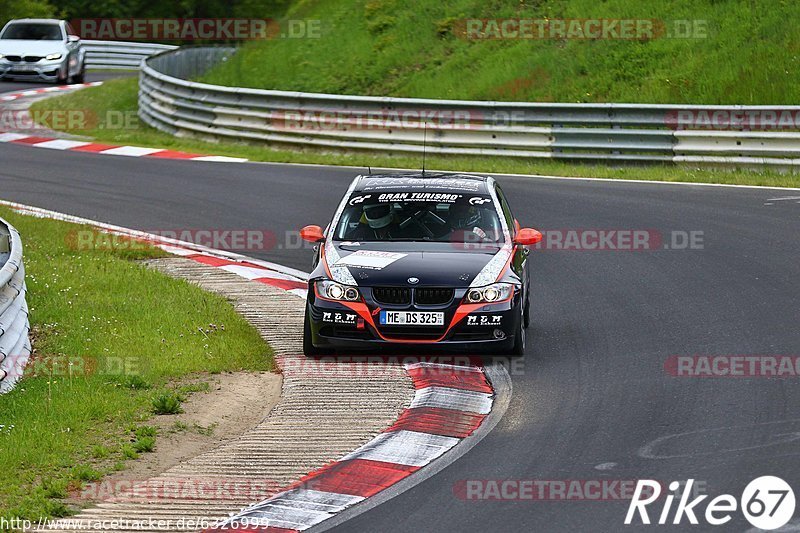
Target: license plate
<point>411,318</point>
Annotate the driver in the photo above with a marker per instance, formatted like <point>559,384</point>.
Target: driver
<point>466,219</point>
<point>378,222</point>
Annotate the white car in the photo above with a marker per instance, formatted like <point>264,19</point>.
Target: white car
<point>41,49</point>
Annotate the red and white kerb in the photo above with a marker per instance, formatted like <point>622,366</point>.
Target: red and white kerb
<point>450,403</point>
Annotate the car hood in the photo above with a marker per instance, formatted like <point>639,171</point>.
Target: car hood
<point>30,48</point>
<point>434,265</point>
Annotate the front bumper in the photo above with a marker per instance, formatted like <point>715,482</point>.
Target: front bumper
<point>45,71</point>
<point>355,325</point>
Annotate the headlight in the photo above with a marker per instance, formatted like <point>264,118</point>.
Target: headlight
<point>52,57</point>
<point>496,292</point>
<point>336,291</point>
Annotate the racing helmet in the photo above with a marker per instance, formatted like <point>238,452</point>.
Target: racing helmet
<point>464,216</point>
<point>378,215</point>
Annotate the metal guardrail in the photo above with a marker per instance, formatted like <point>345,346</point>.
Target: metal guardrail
<point>171,102</point>
<point>118,55</point>
<point>15,346</point>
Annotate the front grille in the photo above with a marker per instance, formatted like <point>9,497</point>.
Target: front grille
<point>433,296</point>
<point>14,59</point>
<point>392,295</point>
<point>32,59</point>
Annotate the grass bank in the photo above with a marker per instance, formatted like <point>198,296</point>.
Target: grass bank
<point>118,98</point>
<point>700,51</point>
<point>114,343</point>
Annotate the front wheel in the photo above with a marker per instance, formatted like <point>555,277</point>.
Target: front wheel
<point>519,336</point>
<point>80,77</point>
<point>309,350</point>
<point>526,311</point>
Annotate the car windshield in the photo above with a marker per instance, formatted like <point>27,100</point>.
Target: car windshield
<point>32,32</point>
<point>420,216</point>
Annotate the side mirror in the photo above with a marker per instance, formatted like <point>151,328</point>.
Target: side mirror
<point>312,234</point>
<point>527,237</point>
<point>73,38</point>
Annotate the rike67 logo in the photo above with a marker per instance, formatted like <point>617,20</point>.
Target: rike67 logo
<point>767,503</point>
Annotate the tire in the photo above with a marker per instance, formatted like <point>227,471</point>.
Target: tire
<point>81,76</point>
<point>62,81</point>
<point>526,312</point>
<point>519,337</point>
<point>309,350</point>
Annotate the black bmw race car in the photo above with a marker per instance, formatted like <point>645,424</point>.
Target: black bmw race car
<point>419,259</point>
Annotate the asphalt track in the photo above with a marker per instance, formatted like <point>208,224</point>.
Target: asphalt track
<point>591,398</point>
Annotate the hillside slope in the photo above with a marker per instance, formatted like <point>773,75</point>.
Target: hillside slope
<point>739,51</point>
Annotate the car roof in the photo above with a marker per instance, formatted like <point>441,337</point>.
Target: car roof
<point>414,181</point>
<point>36,21</point>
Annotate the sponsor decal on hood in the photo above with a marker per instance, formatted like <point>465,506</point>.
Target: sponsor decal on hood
<point>370,259</point>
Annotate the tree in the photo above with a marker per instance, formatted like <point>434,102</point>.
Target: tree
<point>11,9</point>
